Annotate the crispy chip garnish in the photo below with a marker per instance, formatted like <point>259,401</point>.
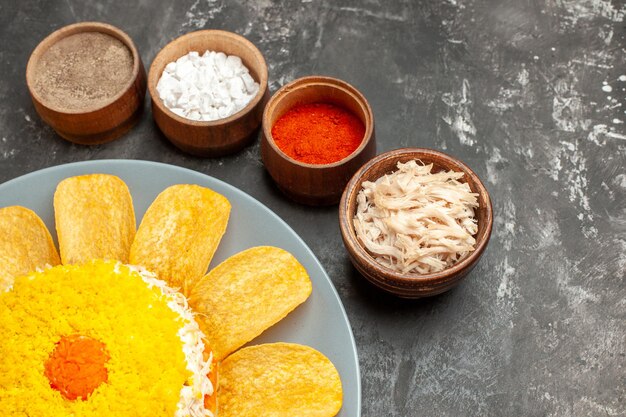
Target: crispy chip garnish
<point>25,244</point>
<point>179,234</point>
<point>246,294</point>
<point>278,380</point>
<point>94,217</point>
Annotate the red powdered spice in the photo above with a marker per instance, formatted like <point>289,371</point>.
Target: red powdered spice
<point>318,133</point>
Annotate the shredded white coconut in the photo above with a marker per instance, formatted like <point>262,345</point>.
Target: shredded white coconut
<point>414,221</point>
<point>191,402</point>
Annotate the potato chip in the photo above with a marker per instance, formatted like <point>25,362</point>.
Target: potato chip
<point>278,380</point>
<point>246,294</point>
<point>25,244</point>
<point>94,218</point>
<point>179,234</point>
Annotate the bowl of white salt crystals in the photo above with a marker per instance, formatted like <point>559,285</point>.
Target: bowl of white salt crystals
<point>208,90</point>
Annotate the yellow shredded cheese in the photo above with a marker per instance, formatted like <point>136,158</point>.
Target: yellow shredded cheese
<point>416,221</point>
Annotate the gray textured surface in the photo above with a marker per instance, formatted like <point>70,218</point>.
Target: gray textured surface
<point>515,89</point>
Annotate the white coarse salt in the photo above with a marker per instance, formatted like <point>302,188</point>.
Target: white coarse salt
<point>206,87</point>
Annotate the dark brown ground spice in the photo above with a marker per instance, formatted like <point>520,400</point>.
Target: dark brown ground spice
<point>83,71</point>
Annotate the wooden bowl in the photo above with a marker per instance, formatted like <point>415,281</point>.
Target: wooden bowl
<point>412,285</point>
<point>218,137</point>
<point>106,122</point>
<point>314,184</point>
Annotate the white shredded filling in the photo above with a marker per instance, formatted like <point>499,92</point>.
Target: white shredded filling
<point>191,402</point>
<point>414,221</point>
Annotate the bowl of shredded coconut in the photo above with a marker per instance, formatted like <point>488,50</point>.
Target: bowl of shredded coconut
<point>415,221</point>
<point>208,91</point>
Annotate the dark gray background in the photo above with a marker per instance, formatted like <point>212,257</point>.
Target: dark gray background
<point>516,90</point>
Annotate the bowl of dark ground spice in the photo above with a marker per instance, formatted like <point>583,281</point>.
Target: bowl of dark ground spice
<point>87,81</point>
<point>317,132</point>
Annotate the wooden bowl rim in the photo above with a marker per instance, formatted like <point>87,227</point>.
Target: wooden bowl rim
<point>386,274</point>
<point>73,29</point>
<point>313,81</point>
<point>153,78</point>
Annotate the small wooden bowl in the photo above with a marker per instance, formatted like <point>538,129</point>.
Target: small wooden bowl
<point>92,126</point>
<point>412,285</point>
<point>218,137</point>
<point>314,184</point>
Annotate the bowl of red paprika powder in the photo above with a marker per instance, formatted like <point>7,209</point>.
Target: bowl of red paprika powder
<point>317,132</point>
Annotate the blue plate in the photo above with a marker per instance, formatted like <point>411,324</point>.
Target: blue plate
<point>320,322</point>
